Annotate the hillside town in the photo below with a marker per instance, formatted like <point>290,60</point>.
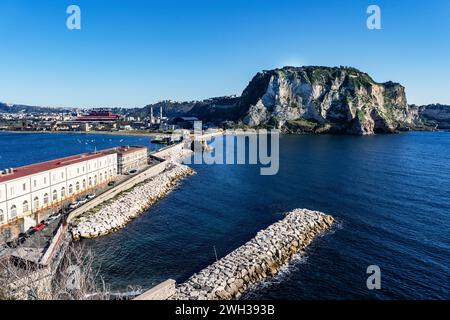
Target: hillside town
<point>92,120</point>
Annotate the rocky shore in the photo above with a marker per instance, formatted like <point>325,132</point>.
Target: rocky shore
<point>116,213</point>
<point>257,259</point>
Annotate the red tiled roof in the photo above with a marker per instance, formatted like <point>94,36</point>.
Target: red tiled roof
<point>62,162</point>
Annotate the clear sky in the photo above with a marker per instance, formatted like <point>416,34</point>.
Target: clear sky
<point>134,52</point>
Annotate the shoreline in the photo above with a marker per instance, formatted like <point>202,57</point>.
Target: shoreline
<point>116,133</point>
<point>115,214</point>
<point>154,134</point>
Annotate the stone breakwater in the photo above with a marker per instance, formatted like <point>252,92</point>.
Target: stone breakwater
<point>116,213</point>
<point>257,259</point>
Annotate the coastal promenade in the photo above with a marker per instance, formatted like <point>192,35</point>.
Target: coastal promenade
<point>114,214</point>
<point>113,209</point>
<point>126,185</point>
<point>163,156</point>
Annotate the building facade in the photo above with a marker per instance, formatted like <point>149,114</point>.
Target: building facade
<point>132,158</point>
<point>27,191</point>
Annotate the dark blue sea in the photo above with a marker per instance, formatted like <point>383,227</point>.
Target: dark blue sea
<point>389,193</point>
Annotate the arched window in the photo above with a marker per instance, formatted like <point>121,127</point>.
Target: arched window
<point>90,181</point>
<point>2,217</point>
<point>25,207</point>
<point>95,179</point>
<point>70,189</point>
<point>84,184</point>
<point>46,198</point>
<point>110,173</point>
<point>13,212</point>
<point>36,203</point>
<point>55,195</point>
<point>101,177</point>
<point>77,187</point>
<point>63,192</point>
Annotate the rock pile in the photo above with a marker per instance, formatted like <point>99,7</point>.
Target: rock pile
<point>116,213</point>
<point>257,259</point>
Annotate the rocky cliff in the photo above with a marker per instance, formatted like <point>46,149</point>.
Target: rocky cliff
<point>307,99</point>
<point>435,115</point>
<point>323,99</point>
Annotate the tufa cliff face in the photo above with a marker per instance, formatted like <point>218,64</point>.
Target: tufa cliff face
<point>435,115</point>
<point>322,99</point>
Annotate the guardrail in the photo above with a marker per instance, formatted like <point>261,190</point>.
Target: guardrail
<point>49,253</point>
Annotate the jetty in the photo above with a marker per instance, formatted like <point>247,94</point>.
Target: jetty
<point>118,212</point>
<point>261,257</point>
<point>115,208</point>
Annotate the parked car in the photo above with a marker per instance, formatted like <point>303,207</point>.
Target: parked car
<point>91,196</point>
<point>31,231</point>
<point>21,240</point>
<point>53,218</point>
<point>74,205</point>
<point>82,201</point>
<point>111,183</point>
<point>133,171</point>
<point>39,227</point>
<point>22,237</point>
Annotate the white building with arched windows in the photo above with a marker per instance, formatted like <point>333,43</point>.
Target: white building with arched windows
<point>26,191</point>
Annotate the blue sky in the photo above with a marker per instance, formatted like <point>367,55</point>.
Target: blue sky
<point>134,52</point>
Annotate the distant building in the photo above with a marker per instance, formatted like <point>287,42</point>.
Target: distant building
<point>85,127</point>
<point>132,159</point>
<point>184,122</point>
<point>99,116</point>
<point>126,127</point>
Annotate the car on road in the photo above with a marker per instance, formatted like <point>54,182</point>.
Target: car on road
<point>74,205</point>
<point>111,183</point>
<point>30,231</point>
<point>49,220</point>
<point>21,240</point>
<point>91,196</point>
<point>82,201</point>
<point>53,218</point>
<point>133,171</point>
<point>39,227</point>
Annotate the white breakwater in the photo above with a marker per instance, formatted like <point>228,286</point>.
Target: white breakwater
<point>116,213</point>
<point>257,259</point>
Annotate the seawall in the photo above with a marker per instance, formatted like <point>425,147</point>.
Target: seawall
<point>259,258</point>
<point>110,194</point>
<point>113,209</point>
<point>117,212</point>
